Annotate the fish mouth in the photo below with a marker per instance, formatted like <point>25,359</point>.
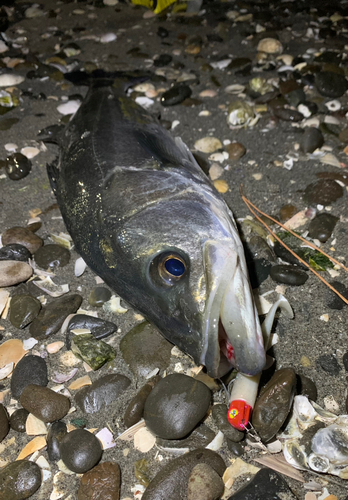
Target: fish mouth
<point>232,332</point>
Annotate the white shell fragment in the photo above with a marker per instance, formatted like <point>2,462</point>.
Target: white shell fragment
<point>106,438</point>
<point>6,371</point>
<point>108,37</point>
<point>68,108</point>
<point>29,343</point>
<point>4,295</point>
<point>9,79</point>
<point>30,152</point>
<point>144,440</point>
<point>216,443</point>
<point>114,305</point>
<point>270,46</point>
<point>48,286</point>
<point>144,102</point>
<point>80,266</point>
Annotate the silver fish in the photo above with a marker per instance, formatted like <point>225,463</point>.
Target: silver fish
<point>147,220</point>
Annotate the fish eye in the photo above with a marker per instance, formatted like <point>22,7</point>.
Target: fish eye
<point>168,268</point>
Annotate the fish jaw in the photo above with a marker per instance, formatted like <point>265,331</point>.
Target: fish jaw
<point>230,309</point>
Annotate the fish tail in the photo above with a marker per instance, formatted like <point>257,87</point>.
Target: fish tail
<point>101,78</point>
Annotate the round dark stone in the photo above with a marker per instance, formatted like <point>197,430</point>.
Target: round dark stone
<point>15,251</point>
<point>56,433</point>
<point>4,423</point>
<point>44,403</point>
<point>29,370</point>
<point>102,392</point>
<point>331,84</point>
<point>219,415</point>
<point>236,448</point>
<point>311,140</point>
<point>19,480</point>
<point>172,480</point>
<point>288,114</point>
<point>274,403</point>
<point>52,316</point>
<point>162,60</point>
<point>102,482</point>
<point>324,191</point>
<point>175,95</point>
<point>306,387</point>
<point>22,236</point>
<point>99,296</point>
<point>100,328</point>
<point>52,256</point>
<point>321,226</point>
<point>329,364</point>
<point>284,254</point>
<point>23,310</point>
<point>80,450</point>
<point>290,275</point>
<point>162,32</point>
<point>176,405</point>
<point>18,420</point>
<point>296,97</point>
<point>17,166</point>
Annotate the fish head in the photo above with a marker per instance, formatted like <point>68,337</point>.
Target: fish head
<point>183,267</point>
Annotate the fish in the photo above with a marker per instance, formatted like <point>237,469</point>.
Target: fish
<point>149,222</point>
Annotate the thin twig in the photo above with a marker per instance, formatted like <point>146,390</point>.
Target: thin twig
<point>252,209</point>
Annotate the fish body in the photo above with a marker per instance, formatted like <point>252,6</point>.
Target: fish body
<point>147,220</point>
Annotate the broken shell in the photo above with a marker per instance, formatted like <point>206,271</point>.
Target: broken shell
<point>239,114</point>
<point>319,464</point>
<point>144,440</point>
<point>260,85</point>
<point>80,382</point>
<point>34,426</point>
<point>221,186</point>
<point>11,351</point>
<point>6,370</point>
<point>236,88</point>
<point>35,444</point>
<point>68,108</point>
<point>106,438</point>
<point>8,79</point>
<point>295,455</point>
<point>114,305</point>
<point>54,347</point>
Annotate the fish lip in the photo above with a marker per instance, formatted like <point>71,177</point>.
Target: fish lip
<point>227,282</point>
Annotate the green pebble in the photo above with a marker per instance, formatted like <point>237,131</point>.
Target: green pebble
<point>94,352</point>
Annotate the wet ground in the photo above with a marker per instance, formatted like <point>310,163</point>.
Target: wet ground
<point>196,43</point>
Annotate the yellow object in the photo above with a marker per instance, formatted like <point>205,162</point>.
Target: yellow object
<point>156,5</point>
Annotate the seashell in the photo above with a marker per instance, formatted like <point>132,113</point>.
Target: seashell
<point>63,239</point>
<point>330,159</point>
<point>80,382</point>
<point>240,114</point>
<point>9,79</point>
<point>6,370</point>
<point>334,105</point>
<point>144,440</point>
<point>68,108</point>
<point>319,464</point>
<point>236,88</point>
<point>295,455</point>
<point>216,443</point>
<point>38,443</point>
<point>106,438</point>
<point>145,102</point>
<point>331,443</point>
<point>215,171</point>
<point>34,426</point>
<point>4,295</point>
<point>114,305</point>
<point>29,343</point>
<point>11,351</point>
<point>221,64</point>
<point>108,37</point>
<point>48,286</point>
<point>60,378</point>
<point>221,186</point>
<point>270,46</point>
<point>208,93</point>
<point>208,144</point>
<point>54,347</point>
<point>11,147</point>
<point>129,433</point>
<point>30,152</point>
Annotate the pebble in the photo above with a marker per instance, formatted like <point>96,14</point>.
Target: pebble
<point>219,415</point>
<point>331,84</point>
<point>52,257</point>
<point>100,328</point>
<point>80,450</point>
<point>22,236</point>
<point>18,420</point>
<point>101,482</point>
<point>17,166</point>
<point>15,251</point>
<point>176,405</point>
<point>311,140</point>
<point>329,364</point>
<point>52,316</point>
<point>306,387</point>
<point>144,349</point>
<point>324,192</point>
<point>4,422</point>
<point>172,480</point>
<point>44,403</point>
<point>135,409</point>
<point>208,144</point>
<point>162,60</point>
<point>200,437</point>
<point>287,256</point>
<point>13,272</point>
<point>290,275</point>
<point>56,433</point>
<point>98,296</point>
<point>19,480</point>
<point>29,370</point>
<point>270,46</point>
<point>162,32</point>
<point>287,114</point>
<point>274,403</point>
<point>332,300</point>
<point>286,212</point>
<point>92,351</point>
<point>204,483</point>
<point>236,448</point>
<point>23,310</point>
<point>322,226</point>
<point>235,151</point>
<point>175,95</point>
<point>102,392</point>
<point>266,484</point>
